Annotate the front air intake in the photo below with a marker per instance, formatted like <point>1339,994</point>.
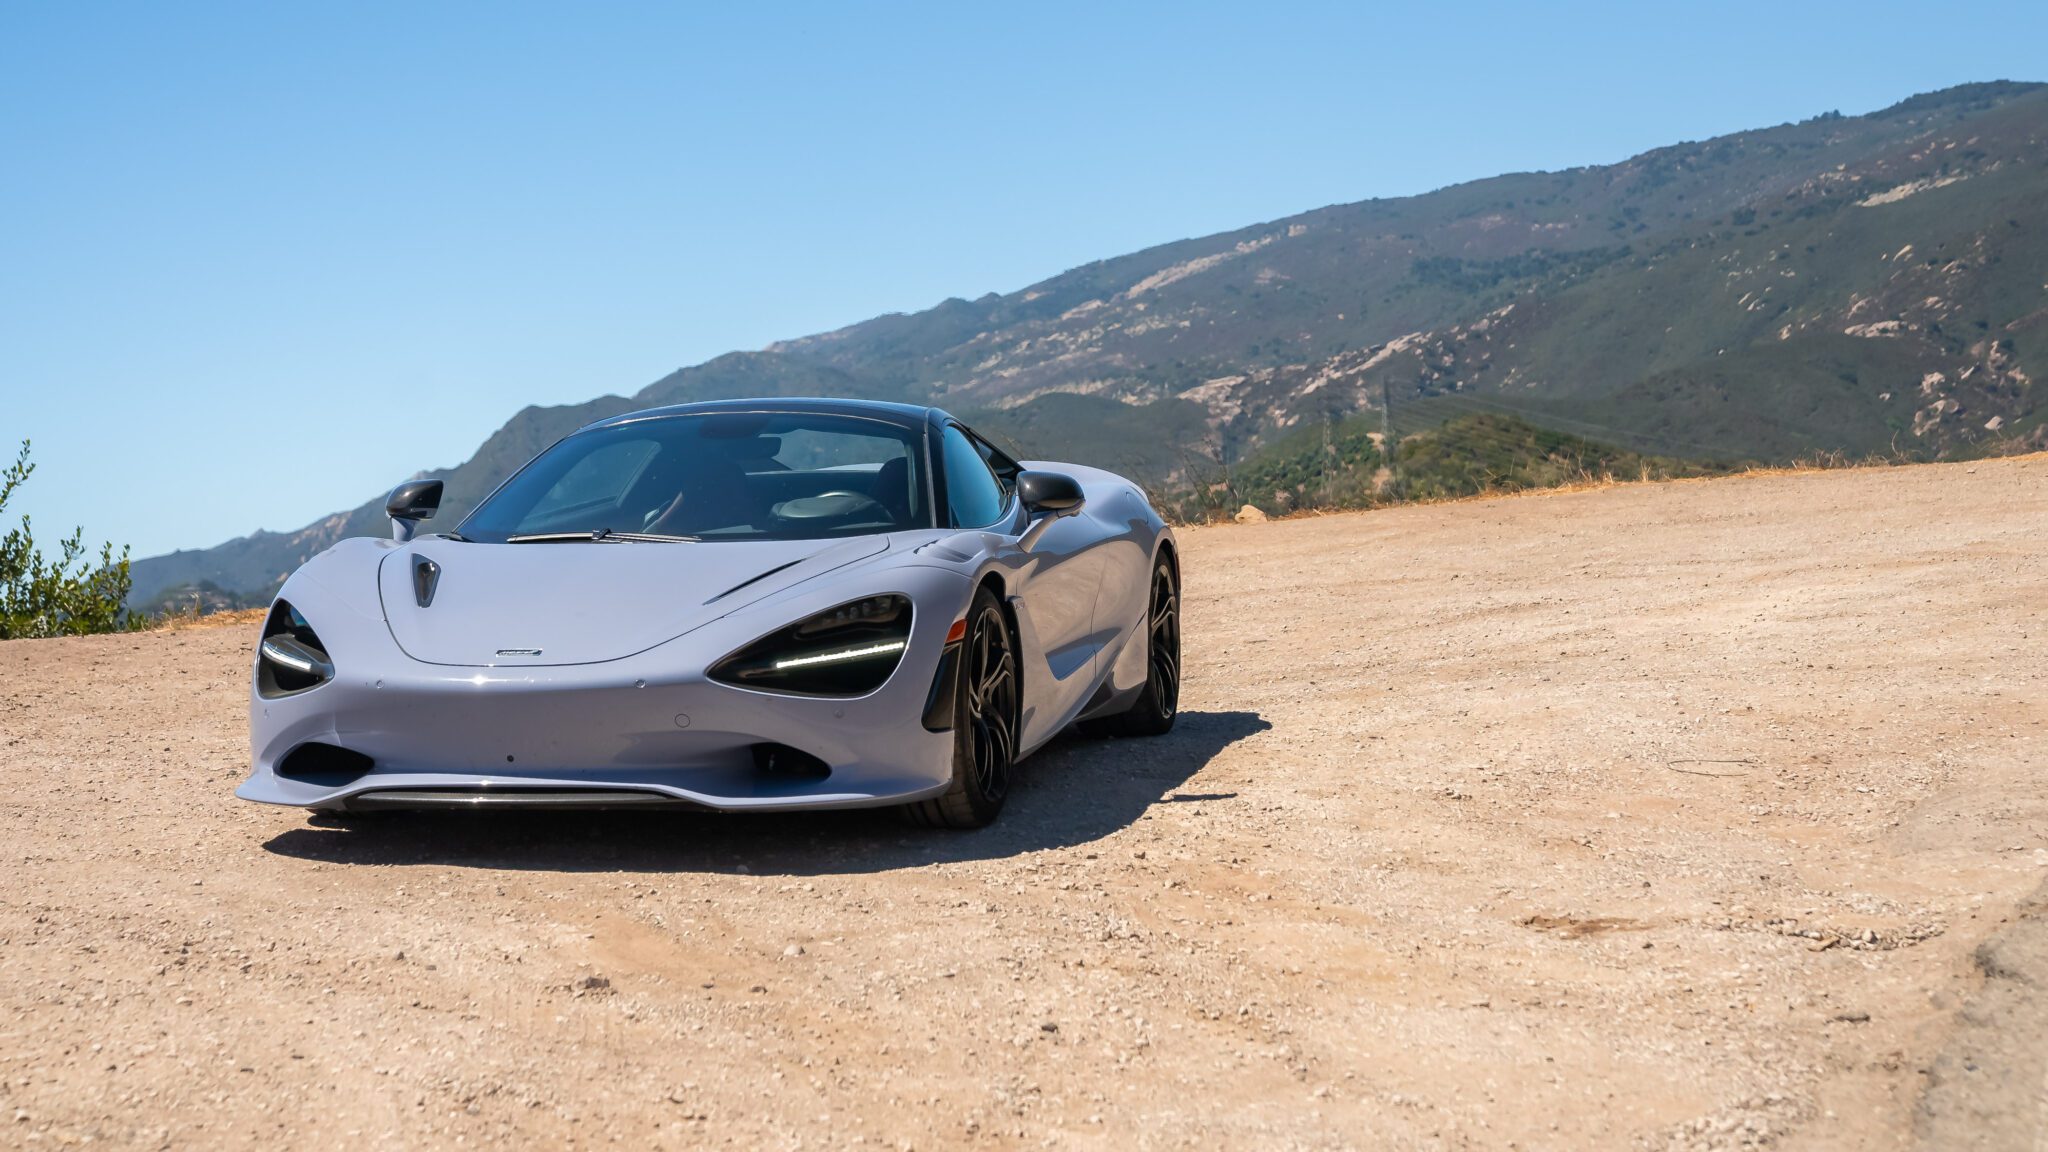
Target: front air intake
<point>782,761</point>
<point>327,765</point>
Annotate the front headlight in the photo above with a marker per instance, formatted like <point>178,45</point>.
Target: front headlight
<point>291,658</point>
<point>845,651</point>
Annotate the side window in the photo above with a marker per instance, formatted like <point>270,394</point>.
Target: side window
<point>1005,468</point>
<point>974,496</point>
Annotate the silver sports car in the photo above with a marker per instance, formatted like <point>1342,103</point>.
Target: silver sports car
<point>756,604</point>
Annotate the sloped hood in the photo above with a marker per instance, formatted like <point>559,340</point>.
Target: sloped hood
<point>540,604</point>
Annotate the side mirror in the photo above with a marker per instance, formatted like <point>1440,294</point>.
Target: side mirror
<point>1050,493</point>
<point>410,503</point>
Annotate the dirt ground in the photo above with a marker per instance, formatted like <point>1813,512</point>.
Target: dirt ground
<point>1688,815</point>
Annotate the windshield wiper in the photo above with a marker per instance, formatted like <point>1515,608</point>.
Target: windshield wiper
<point>599,536</point>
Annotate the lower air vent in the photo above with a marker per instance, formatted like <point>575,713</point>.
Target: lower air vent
<point>784,761</point>
<point>324,764</point>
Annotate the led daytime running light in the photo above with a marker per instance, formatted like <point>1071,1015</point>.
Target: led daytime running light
<point>836,657</point>
<point>277,654</point>
<point>846,651</point>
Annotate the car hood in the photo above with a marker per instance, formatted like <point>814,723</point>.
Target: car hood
<point>497,605</point>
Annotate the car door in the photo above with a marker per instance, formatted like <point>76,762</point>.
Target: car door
<point>1053,583</point>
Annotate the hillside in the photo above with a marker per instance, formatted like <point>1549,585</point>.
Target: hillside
<point>1863,285</point>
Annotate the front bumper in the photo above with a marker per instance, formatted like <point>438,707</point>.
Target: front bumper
<point>645,730</point>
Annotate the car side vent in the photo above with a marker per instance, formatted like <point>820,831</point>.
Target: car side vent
<point>324,764</point>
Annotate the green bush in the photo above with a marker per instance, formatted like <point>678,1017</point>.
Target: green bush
<point>70,597</point>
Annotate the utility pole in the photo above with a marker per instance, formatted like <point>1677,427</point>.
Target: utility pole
<point>1387,428</point>
<point>1386,420</point>
<point>1329,459</point>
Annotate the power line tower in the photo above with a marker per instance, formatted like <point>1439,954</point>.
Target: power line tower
<point>1386,421</point>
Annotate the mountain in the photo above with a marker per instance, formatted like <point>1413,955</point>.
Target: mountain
<point>1867,285</point>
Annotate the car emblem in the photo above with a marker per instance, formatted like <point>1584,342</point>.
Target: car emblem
<point>518,651</point>
<point>425,576</point>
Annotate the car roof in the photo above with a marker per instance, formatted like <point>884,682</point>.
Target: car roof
<point>907,415</point>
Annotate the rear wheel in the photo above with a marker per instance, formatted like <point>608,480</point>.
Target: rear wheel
<point>984,724</point>
<point>1152,713</point>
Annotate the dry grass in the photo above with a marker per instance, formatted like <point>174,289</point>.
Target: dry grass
<point>1824,462</point>
<point>184,621</point>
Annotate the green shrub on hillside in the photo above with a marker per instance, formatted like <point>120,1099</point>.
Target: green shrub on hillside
<point>66,598</point>
<point>1343,465</point>
<point>1335,464</point>
<point>1485,452</point>
<point>197,598</point>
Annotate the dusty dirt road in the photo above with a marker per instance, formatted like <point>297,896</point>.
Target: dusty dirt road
<point>1695,814</point>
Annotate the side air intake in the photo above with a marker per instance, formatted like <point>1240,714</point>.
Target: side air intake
<point>325,764</point>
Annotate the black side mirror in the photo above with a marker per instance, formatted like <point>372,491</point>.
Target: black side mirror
<point>1050,493</point>
<point>410,503</point>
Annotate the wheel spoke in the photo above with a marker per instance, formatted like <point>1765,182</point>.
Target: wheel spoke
<point>991,759</point>
<point>996,679</point>
<point>999,739</point>
<point>984,756</point>
<point>991,699</point>
<point>1165,644</point>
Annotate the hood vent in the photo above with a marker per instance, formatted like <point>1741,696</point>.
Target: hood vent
<point>426,576</point>
<point>755,579</point>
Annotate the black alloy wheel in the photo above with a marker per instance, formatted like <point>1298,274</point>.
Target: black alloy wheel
<point>984,723</point>
<point>992,702</point>
<point>1152,713</point>
<point>1165,655</point>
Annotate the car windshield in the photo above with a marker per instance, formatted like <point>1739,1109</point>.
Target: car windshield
<point>716,476</point>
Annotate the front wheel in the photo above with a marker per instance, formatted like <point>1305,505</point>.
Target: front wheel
<point>1158,702</point>
<point>985,707</point>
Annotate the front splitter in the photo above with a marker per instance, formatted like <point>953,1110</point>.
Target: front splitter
<point>549,799</point>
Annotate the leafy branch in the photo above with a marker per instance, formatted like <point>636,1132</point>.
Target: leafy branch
<point>69,596</point>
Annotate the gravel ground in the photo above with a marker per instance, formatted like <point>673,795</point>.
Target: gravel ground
<point>1678,815</point>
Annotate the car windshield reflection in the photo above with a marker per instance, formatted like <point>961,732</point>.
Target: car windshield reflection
<point>718,476</point>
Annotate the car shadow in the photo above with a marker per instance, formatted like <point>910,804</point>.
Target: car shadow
<point>1072,791</point>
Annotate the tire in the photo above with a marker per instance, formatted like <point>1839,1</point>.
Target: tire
<point>1158,702</point>
<point>985,717</point>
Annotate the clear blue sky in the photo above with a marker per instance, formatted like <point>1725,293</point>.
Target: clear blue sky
<point>258,263</point>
